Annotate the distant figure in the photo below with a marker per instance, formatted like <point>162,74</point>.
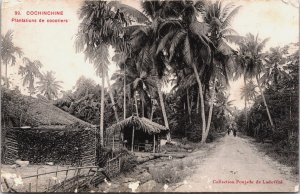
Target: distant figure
<point>234,132</point>
<point>125,143</point>
<point>228,131</point>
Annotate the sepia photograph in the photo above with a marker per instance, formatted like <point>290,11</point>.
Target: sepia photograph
<point>149,96</point>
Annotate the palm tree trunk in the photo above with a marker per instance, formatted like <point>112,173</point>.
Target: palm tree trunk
<point>197,106</point>
<point>143,109</point>
<point>188,104</point>
<point>163,109</point>
<point>246,116</point>
<point>201,99</point>
<point>112,97</point>
<point>265,103</point>
<point>102,111</point>
<point>124,91</point>
<point>136,105</point>
<point>152,112</point>
<point>210,112</point>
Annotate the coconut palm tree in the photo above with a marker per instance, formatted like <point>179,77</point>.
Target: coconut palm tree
<point>219,17</point>
<point>202,45</point>
<point>248,93</point>
<point>139,83</point>
<point>93,38</point>
<point>190,46</point>
<point>49,86</point>
<point>30,71</point>
<point>8,52</point>
<point>145,40</point>
<point>251,58</point>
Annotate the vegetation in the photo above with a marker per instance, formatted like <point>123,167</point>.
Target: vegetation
<point>8,53</point>
<point>30,71</point>
<point>188,45</point>
<point>49,86</point>
<point>280,90</point>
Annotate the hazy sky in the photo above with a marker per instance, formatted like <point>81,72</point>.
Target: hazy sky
<point>53,43</point>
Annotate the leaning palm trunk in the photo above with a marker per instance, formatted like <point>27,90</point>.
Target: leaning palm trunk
<point>163,109</point>
<point>201,99</point>
<point>112,97</point>
<point>210,112</point>
<point>265,103</point>
<point>102,111</point>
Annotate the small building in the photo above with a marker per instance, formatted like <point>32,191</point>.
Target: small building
<point>136,134</point>
<point>50,135</point>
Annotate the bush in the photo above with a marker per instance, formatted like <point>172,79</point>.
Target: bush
<point>166,175</point>
<point>171,173</point>
<point>128,162</point>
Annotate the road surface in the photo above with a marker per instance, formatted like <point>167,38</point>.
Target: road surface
<point>236,166</point>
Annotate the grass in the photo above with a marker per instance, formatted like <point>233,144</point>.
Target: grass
<point>280,154</point>
<point>174,172</point>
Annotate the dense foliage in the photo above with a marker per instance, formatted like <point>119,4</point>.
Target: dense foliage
<point>282,96</point>
<point>185,45</point>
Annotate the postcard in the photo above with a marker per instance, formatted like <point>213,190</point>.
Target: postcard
<point>149,96</point>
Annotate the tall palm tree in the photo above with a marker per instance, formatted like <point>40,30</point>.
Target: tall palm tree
<point>30,71</point>
<point>92,39</point>
<point>8,52</point>
<point>248,93</point>
<point>145,40</point>
<point>202,45</point>
<point>219,17</point>
<point>192,46</point>
<point>251,58</point>
<point>101,63</point>
<point>49,86</point>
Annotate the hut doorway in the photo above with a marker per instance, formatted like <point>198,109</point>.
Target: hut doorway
<point>137,140</point>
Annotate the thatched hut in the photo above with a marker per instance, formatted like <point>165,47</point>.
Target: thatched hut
<point>50,135</point>
<point>139,134</point>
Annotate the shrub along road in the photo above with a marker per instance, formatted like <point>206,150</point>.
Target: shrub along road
<point>235,165</point>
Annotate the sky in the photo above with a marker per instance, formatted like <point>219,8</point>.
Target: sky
<point>53,43</point>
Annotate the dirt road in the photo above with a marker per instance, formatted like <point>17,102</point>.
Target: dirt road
<point>236,166</point>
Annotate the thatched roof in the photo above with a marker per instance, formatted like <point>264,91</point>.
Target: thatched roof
<point>46,114</point>
<point>39,113</point>
<point>140,123</point>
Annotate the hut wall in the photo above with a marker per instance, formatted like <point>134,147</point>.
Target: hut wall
<point>88,148</point>
<point>10,148</point>
<point>41,146</point>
